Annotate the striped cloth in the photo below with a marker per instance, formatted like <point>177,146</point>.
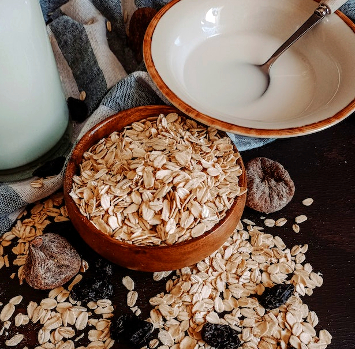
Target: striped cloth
<point>99,62</point>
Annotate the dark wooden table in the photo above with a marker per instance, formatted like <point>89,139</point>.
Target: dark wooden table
<point>322,166</point>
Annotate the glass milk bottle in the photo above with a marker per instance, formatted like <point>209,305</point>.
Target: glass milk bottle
<point>33,110</point>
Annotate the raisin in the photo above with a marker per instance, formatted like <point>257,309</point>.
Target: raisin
<point>276,296</point>
<point>50,168</point>
<point>103,267</point>
<point>220,336</point>
<point>78,109</point>
<point>138,25</point>
<point>117,326</point>
<point>131,329</point>
<point>92,289</point>
<point>97,286</point>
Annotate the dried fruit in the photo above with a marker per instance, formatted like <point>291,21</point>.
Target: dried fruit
<point>132,329</point>
<point>276,296</point>
<point>95,287</point>
<point>51,262</point>
<point>137,27</point>
<point>92,289</point>
<point>220,336</point>
<point>270,187</point>
<point>78,109</point>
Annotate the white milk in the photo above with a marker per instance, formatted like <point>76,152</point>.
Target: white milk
<point>33,110</point>
<point>208,74</point>
<point>223,82</point>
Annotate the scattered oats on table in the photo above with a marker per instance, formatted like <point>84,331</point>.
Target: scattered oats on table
<point>60,319</point>
<point>128,283</point>
<point>296,228</point>
<point>221,289</point>
<point>269,222</point>
<point>307,202</point>
<point>300,219</point>
<point>280,222</point>
<point>218,289</point>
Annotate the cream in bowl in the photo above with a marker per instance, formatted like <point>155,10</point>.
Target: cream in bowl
<point>156,191</point>
<point>203,65</point>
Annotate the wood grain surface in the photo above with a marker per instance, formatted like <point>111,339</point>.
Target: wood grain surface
<point>322,166</point>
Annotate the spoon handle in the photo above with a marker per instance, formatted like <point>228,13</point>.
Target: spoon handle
<point>326,7</point>
<point>333,5</point>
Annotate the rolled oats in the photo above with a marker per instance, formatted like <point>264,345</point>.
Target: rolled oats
<point>103,303</point>
<point>164,186</point>
<point>16,339</point>
<point>269,222</point>
<point>37,183</point>
<point>307,202</point>
<point>153,343</point>
<point>128,283</point>
<point>77,279</point>
<point>55,292</point>
<point>104,310</point>
<point>19,319</point>
<point>48,303</point>
<point>43,336</point>
<point>280,222</point>
<point>296,228</point>
<point>7,312</point>
<point>92,305</point>
<point>54,322</point>
<point>66,332</point>
<point>300,219</point>
<point>16,300</point>
<point>166,338</point>
<point>247,263</point>
<point>325,336</point>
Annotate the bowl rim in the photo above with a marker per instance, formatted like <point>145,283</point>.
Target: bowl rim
<point>75,159</point>
<point>223,125</point>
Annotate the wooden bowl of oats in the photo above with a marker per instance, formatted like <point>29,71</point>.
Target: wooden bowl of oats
<point>153,190</point>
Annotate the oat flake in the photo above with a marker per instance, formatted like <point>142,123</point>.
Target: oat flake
<point>16,339</point>
<point>307,202</point>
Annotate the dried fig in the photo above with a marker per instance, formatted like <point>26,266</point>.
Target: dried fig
<point>51,262</point>
<point>270,187</point>
<point>137,27</point>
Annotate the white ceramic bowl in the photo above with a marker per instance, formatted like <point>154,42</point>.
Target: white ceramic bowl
<point>192,49</point>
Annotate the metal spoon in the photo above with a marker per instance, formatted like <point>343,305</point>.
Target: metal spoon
<point>325,8</point>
